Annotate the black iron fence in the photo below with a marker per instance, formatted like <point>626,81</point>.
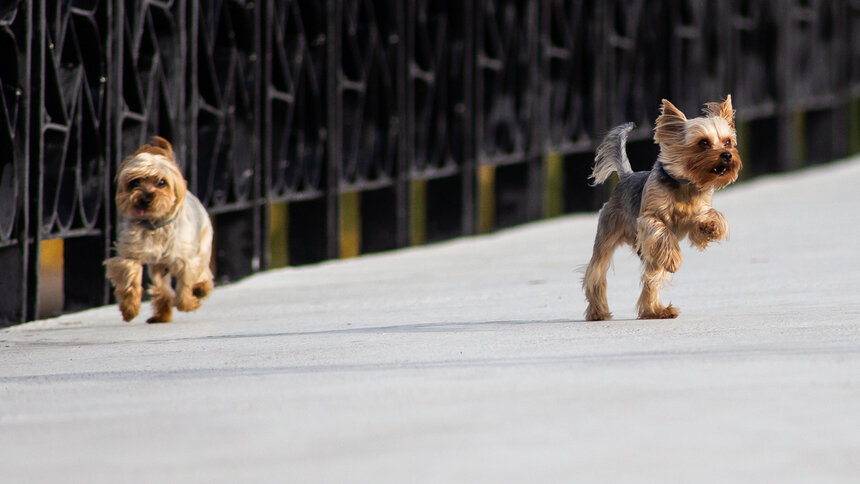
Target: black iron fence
<point>421,119</point>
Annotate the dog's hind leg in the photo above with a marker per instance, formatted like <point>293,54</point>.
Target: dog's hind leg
<point>162,294</point>
<point>185,300</point>
<point>594,281</point>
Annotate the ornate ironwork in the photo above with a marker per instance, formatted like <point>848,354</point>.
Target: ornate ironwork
<point>296,99</point>
<point>569,40</point>
<point>14,118</point>
<point>74,117</point>
<point>401,107</point>
<point>436,87</point>
<point>506,64</point>
<point>151,71</point>
<point>16,43</point>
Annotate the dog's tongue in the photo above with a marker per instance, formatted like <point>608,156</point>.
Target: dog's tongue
<point>140,212</point>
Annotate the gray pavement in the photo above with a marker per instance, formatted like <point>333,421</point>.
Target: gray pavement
<point>469,361</point>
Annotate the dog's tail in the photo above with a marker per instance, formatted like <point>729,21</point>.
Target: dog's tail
<point>611,155</point>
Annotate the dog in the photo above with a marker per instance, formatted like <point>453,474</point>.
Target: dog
<point>654,210</point>
<point>164,227</point>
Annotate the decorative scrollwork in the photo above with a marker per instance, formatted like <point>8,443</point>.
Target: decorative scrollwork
<point>756,27</point>
<point>225,103</point>
<point>14,87</point>
<point>436,87</point>
<point>505,67</point>
<point>569,43</point>
<point>74,115</point>
<point>296,98</point>
<point>636,48</point>
<point>153,76</point>
<point>698,45</point>
<point>368,90</point>
<point>813,41</point>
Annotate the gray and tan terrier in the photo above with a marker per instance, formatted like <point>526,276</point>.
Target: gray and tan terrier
<point>654,210</point>
<point>166,229</point>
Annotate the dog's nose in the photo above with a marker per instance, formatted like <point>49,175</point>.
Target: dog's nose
<point>726,156</point>
<point>146,200</point>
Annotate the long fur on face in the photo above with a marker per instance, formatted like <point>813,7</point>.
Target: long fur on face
<point>150,185</point>
<point>700,150</point>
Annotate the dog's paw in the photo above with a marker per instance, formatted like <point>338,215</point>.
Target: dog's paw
<point>201,290</point>
<point>129,307</point>
<point>594,314</point>
<point>187,303</point>
<point>669,312</point>
<point>710,230</point>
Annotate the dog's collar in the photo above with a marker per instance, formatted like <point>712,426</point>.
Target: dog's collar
<point>154,226</point>
<point>664,172</point>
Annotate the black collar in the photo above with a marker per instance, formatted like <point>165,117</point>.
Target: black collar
<point>154,226</point>
<point>679,181</point>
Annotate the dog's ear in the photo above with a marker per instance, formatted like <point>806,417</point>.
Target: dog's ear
<point>721,110</point>
<point>670,125</point>
<point>162,144</point>
<point>157,146</point>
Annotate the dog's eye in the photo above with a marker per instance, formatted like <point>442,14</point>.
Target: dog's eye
<point>705,143</point>
<point>161,183</point>
<point>134,183</point>
<point>728,143</point>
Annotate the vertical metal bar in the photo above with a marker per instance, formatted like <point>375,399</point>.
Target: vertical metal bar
<point>258,194</point>
<point>535,152</point>
<point>335,143</point>
<point>469,166</point>
<point>403,177</point>
<point>14,257</point>
<point>265,21</point>
<point>83,274</point>
<point>477,112</point>
<point>784,158</point>
<point>35,190</point>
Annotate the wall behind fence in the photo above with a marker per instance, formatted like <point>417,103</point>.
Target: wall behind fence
<point>366,125</point>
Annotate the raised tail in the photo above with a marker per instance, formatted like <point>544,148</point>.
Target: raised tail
<point>611,155</point>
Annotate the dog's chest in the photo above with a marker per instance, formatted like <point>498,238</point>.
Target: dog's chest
<point>684,209</point>
<point>149,246</point>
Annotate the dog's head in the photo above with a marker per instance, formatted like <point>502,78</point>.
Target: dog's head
<point>701,150</point>
<point>150,185</point>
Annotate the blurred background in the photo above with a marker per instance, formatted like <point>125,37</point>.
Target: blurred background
<point>320,129</point>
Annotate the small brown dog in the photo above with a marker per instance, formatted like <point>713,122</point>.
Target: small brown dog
<point>653,210</point>
<point>166,228</point>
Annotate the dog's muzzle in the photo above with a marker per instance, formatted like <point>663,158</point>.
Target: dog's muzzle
<point>725,164</point>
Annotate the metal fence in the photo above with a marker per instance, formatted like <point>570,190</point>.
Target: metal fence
<point>434,119</point>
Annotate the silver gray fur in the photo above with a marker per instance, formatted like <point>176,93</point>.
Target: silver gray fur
<point>611,155</point>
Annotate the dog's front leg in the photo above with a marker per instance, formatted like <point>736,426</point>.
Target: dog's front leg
<point>657,244</point>
<point>126,276</point>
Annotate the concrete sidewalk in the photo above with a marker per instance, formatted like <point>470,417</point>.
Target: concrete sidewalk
<point>469,361</point>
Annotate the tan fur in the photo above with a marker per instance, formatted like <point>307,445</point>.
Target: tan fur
<point>165,228</point>
<point>697,156</point>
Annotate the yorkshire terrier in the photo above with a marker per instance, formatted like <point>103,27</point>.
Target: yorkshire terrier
<point>166,228</point>
<point>653,210</point>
